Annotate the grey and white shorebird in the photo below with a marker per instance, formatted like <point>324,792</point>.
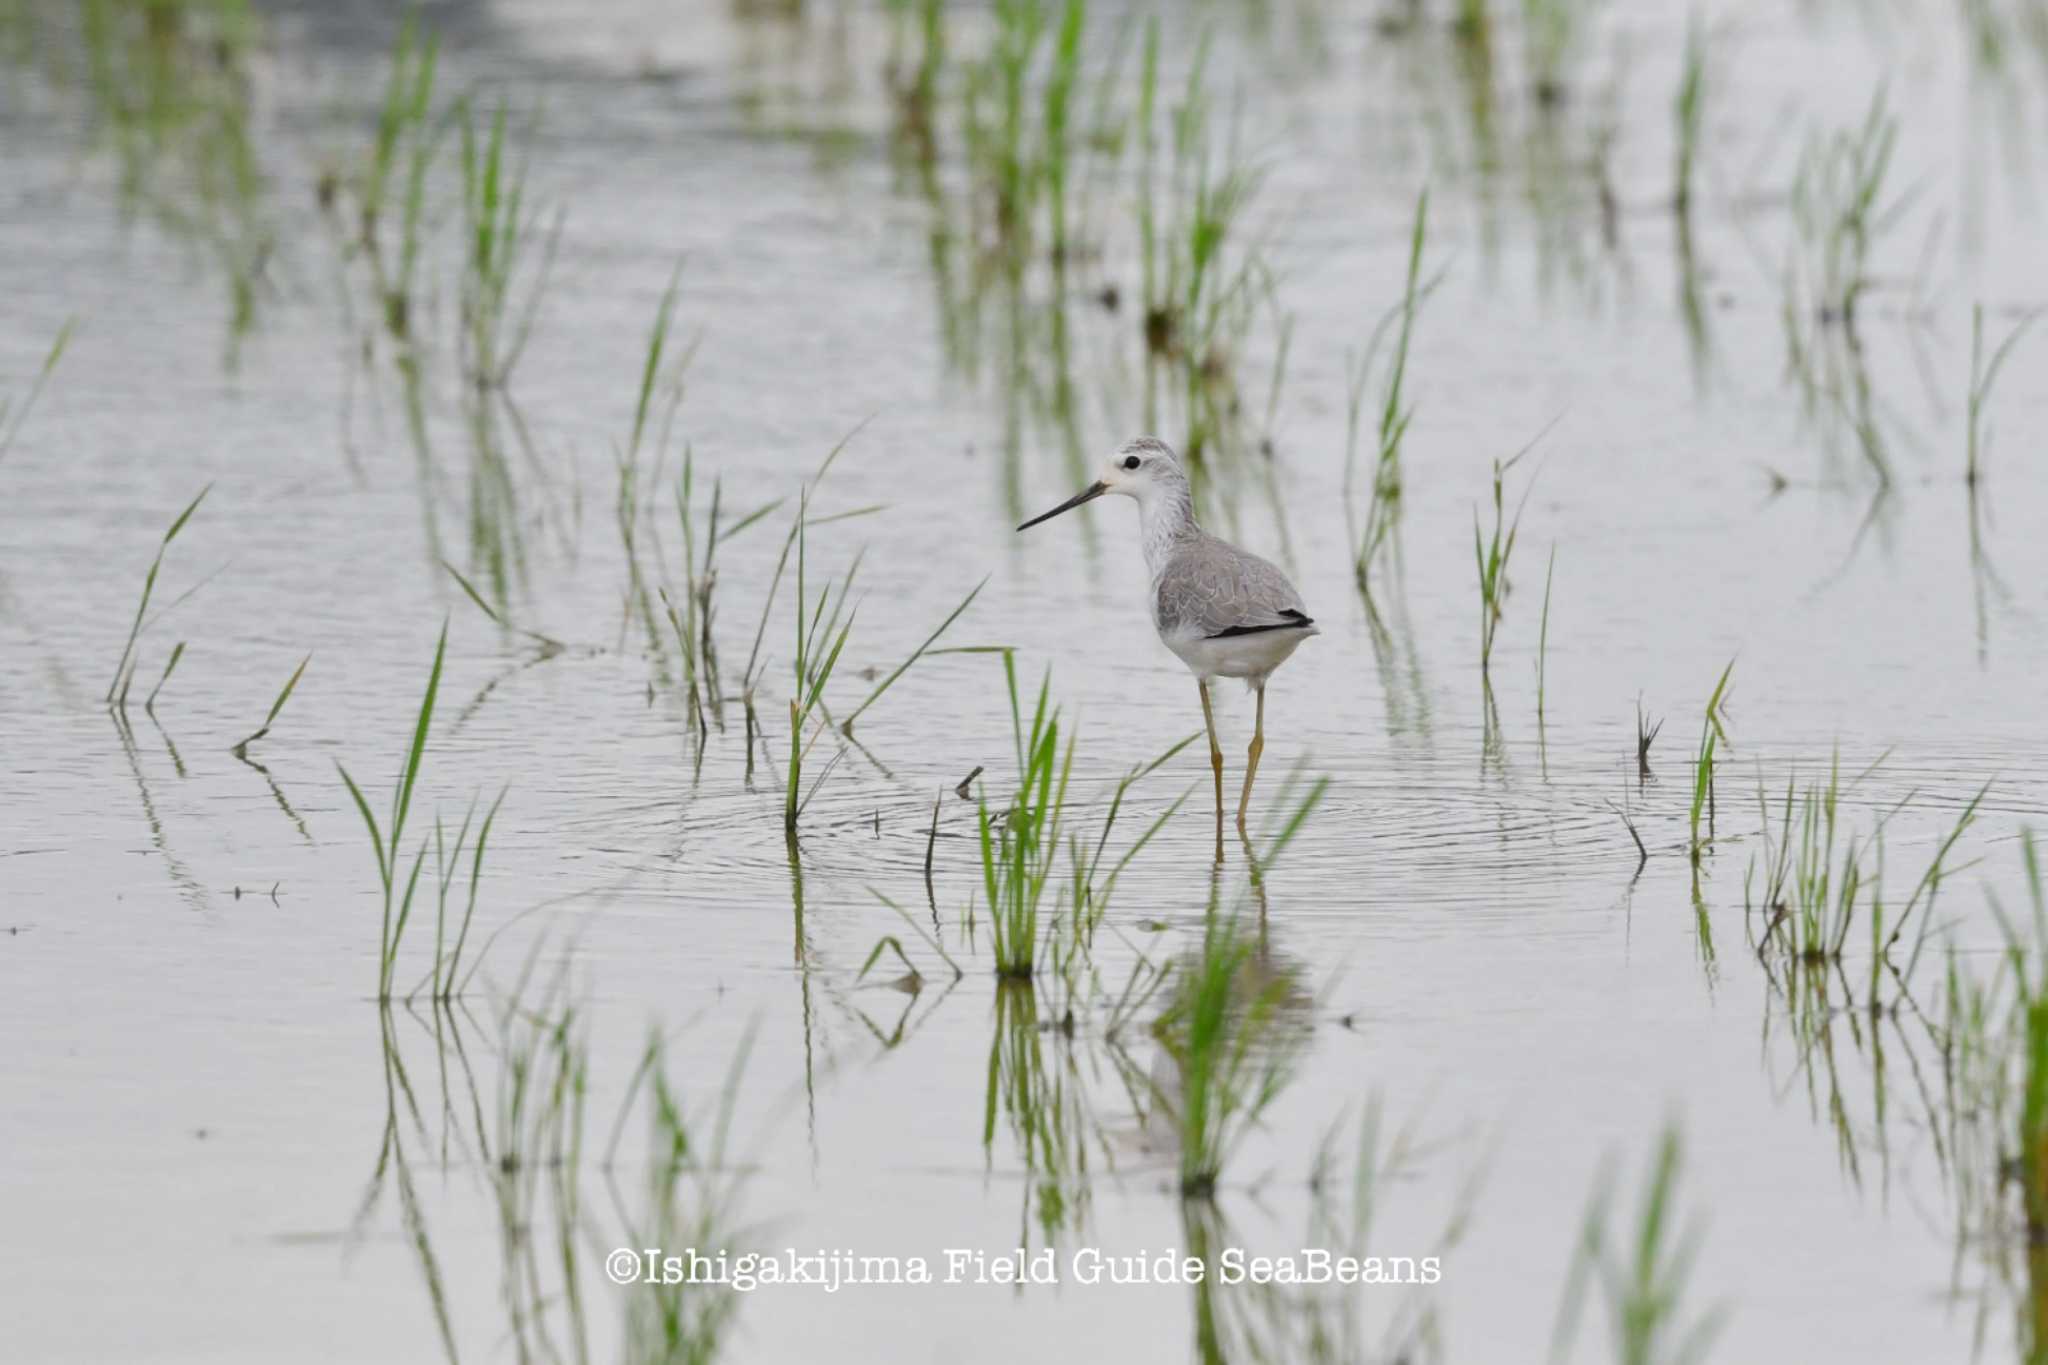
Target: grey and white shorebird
<point>1225,612</point>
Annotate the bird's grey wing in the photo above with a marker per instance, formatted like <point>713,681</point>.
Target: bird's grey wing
<point>1213,590</point>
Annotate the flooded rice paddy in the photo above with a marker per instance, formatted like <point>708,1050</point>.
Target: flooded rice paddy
<point>523,332</point>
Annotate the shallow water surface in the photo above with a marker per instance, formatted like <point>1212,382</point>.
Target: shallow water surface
<point>217,1132</point>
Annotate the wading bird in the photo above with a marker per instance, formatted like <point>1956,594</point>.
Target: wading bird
<point>1226,613</point>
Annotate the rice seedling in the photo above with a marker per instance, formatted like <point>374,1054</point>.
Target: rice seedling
<point>661,379</point>
<point>819,642</point>
<point>1689,116</point>
<point>167,87</point>
<point>822,627</point>
<point>1802,889</point>
<point>1983,374</point>
<point>1204,276</point>
<point>689,611</point>
<point>1814,877</point>
<point>379,216</point>
<point>384,225</point>
<point>170,667</point>
<point>2028,964</point>
<point>1646,735</point>
<point>499,292</point>
<point>14,412</point>
<point>446,977</point>
<point>889,679</point>
<point>546,646</point>
<point>1090,889</point>
<point>387,840</point>
<point>241,750</point>
<point>1021,159</point>
<point>1384,511</point>
<point>1713,737</point>
<point>1993,1034</point>
<point>917,94</point>
<point>1492,556</point>
<point>1840,209</point>
<point>1641,1279</point>
<point>1552,32</point>
<point>124,670</point>
<point>1021,844</point>
<point>750,677</point>
<point>1543,635</point>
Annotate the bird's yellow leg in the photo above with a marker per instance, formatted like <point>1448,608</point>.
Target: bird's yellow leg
<point>1215,762</point>
<point>1251,767</point>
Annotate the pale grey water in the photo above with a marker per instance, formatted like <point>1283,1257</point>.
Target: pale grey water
<point>195,1094</point>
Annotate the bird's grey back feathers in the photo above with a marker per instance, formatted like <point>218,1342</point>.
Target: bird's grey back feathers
<point>1207,588</point>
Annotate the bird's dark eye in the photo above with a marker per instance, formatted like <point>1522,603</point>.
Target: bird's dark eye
<point>1131,462</point>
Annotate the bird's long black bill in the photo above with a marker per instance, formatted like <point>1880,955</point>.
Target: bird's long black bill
<point>1088,494</point>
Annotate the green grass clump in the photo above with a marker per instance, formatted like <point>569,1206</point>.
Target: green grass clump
<point>1019,129</point>
<point>822,626</point>
<point>378,213</point>
<point>384,213</point>
<point>1993,1035</point>
<point>386,840</point>
<point>168,88</point>
<point>1020,844</point>
<point>820,639</point>
<point>1713,738</point>
<point>399,885</point>
<point>1840,210</point>
<point>2026,962</point>
<point>506,262</point>
<point>1022,841</point>
<point>1815,876</point>
<point>1204,276</point>
<point>1492,555</point>
<point>1383,513</point>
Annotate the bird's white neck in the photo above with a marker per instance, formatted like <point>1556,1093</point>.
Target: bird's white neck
<point>1166,515</point>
